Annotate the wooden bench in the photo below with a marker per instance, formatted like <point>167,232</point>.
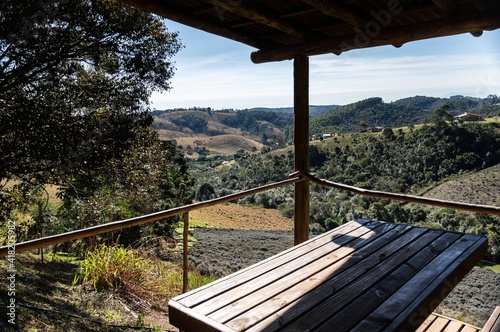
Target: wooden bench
<point>440,323</point>
<point>493,323</point>
<point>362,276</point>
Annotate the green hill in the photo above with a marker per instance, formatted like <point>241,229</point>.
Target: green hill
<point>375,112</point>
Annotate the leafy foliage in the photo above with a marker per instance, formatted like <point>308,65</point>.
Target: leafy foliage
<point>193,122</point>
<point>75,79</point>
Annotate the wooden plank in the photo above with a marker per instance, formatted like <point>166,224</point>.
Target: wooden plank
<point>493,323</point>
<point>335,293</point>
<point>274,22</point>
<point>274,303</point>
<point>326,252</point>
<point>453,25</point>
<point>469,329</point>
<point>317,270</point>
<point>328,7</point>
<point>296,294</point>
<point>448,6</point>
<point>301,145</point>
<point>453,325</point>
<point>206,292</point>
<point>428,322</point>
<point>438,325</point>
<point>373,297</point>
<point>441,275</point>
<point>187,320</point>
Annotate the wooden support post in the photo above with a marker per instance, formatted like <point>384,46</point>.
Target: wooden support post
<point>301,143</point>
<point>185,252</point>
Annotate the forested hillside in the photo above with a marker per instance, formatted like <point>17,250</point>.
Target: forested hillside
<point>274,126</point>
<point>398,161</point>
<point>374,112</point>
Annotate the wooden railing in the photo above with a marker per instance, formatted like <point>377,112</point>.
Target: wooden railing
<point>296,177</point>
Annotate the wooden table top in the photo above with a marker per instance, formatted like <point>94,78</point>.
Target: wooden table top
<point>362,276</point>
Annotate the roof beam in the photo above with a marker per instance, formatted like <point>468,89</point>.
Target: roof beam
<point>261,17</point>
<point>448,6</point>
<point>329,8</point>
<point>167,11</point>
<point>452,25</point>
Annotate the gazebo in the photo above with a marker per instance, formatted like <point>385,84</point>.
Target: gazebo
<point>395,274</point>
<point>296,29</point>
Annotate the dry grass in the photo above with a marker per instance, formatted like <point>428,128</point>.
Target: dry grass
<point>234,216</point>
<point>222,144</point>
<point>482,187</point>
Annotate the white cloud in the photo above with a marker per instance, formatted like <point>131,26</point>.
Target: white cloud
<point>220,74</point>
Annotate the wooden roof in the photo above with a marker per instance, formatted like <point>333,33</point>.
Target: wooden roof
<point>281,29</point>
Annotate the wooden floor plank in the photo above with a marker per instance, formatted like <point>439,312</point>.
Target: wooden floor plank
<point>334,294</point>
<point>453,326</point>
<point>393,313</point>
<point>363,276</point>
<point>372,298</point>
<point>428,322</point>
<point>328,251</point>
<point>306,275</point>
<point>207,292</point>
<point>439,325</point>
<point>274,303</point>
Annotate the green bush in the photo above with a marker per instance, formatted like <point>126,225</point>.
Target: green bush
<point>134,271</point>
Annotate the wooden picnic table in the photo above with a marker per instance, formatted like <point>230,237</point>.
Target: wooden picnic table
<point>362,276</point>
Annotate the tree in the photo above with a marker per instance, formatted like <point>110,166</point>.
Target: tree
<point>75,82</point>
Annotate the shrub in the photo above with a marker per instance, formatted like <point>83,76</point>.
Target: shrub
<point>134,271</point>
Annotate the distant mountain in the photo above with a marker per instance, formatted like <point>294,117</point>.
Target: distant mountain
<point>314,110</point>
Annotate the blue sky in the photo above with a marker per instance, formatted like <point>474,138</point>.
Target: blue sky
<point>217,72</point>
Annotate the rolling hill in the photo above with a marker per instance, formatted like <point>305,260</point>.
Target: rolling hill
<point>481,187</point>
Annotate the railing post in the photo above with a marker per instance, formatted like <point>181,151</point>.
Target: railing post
<point>301,144</point>
<point>185,252</point>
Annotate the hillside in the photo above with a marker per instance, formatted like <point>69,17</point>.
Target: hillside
<point>200,132</point>
<point>481,187</point>
<point>273,126</point>
<point>374,112</point>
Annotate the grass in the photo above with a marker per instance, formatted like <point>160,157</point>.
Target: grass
<point>475,188</point>
<point>491,266</point>
<point>133,271</point>
<point>134,289</point>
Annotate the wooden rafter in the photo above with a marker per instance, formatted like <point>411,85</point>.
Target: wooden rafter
<point>261,17</point>
<point>330,8</point>
<point>167,11</point>
<point>453,25</point>
<point>448,6</point>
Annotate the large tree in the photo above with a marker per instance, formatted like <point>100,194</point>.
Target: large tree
<point>75,81</point>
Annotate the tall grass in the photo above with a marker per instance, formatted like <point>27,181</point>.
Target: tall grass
<point>134,271</point>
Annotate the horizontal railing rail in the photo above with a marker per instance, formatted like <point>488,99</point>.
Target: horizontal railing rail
<point>487,209</point>
<point>294,178</point>
<point>121,224</point>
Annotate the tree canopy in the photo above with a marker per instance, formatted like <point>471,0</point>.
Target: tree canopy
<point>75,82</point>
<point>72,72</point>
